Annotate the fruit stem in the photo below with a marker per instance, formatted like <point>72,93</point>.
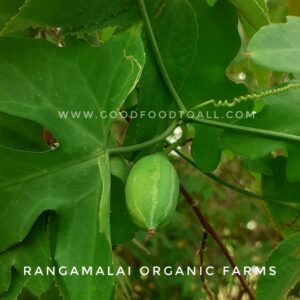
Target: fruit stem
<point>151,232</point>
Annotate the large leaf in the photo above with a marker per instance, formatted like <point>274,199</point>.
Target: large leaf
<point>207,147</point>
<point>277,46</point>
<point>34,251</point>
<point>253,14</point>
<point>21,134</point>
<point>74,180</point>
<point>277,187</point>
<point>273,117</point>
<point>122,227</point>
<point>67,14</point>
<point>281,176</point>
<point>8,8</point>
<point>287,262</point>
<point>144,128</point>
<point>196,63</point>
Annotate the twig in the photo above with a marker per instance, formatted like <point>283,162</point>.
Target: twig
<point>206,225</point>
<point>204,285</point>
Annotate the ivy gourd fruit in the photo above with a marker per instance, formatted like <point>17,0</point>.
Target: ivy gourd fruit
<point>152,191</point>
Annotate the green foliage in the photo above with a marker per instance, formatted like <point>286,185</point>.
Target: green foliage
<point>172,247</point>
<point>21,134</point>
<point>272,118</point>
<point>212,43</point>
<point>33,251</point>
<point>64,168</point>
<point>66,14</point>
<point>277,46</point>
<point>286,258</point>
<point>253,14</point>
<point>73,180</point>
<point>122,228</point>
<point>8,8</point>
<point>211,2</point>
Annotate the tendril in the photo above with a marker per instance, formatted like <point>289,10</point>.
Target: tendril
<point>244,98</point>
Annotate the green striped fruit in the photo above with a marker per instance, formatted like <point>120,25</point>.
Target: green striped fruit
<point>152,191</point>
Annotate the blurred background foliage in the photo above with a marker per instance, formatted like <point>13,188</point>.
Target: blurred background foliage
<point>243,223</point>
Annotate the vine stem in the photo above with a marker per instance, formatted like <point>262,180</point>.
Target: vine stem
<point>233,187</point>
<point>246,130</point>
<point>153,141</point>
<point>232,127</point>
<point>207,226</point>
<point>172,147</point>
<point>156,52</point>
<point>173,92</point>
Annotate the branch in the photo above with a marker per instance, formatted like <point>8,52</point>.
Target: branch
<point>201,250</point>
<point>206,225</point>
